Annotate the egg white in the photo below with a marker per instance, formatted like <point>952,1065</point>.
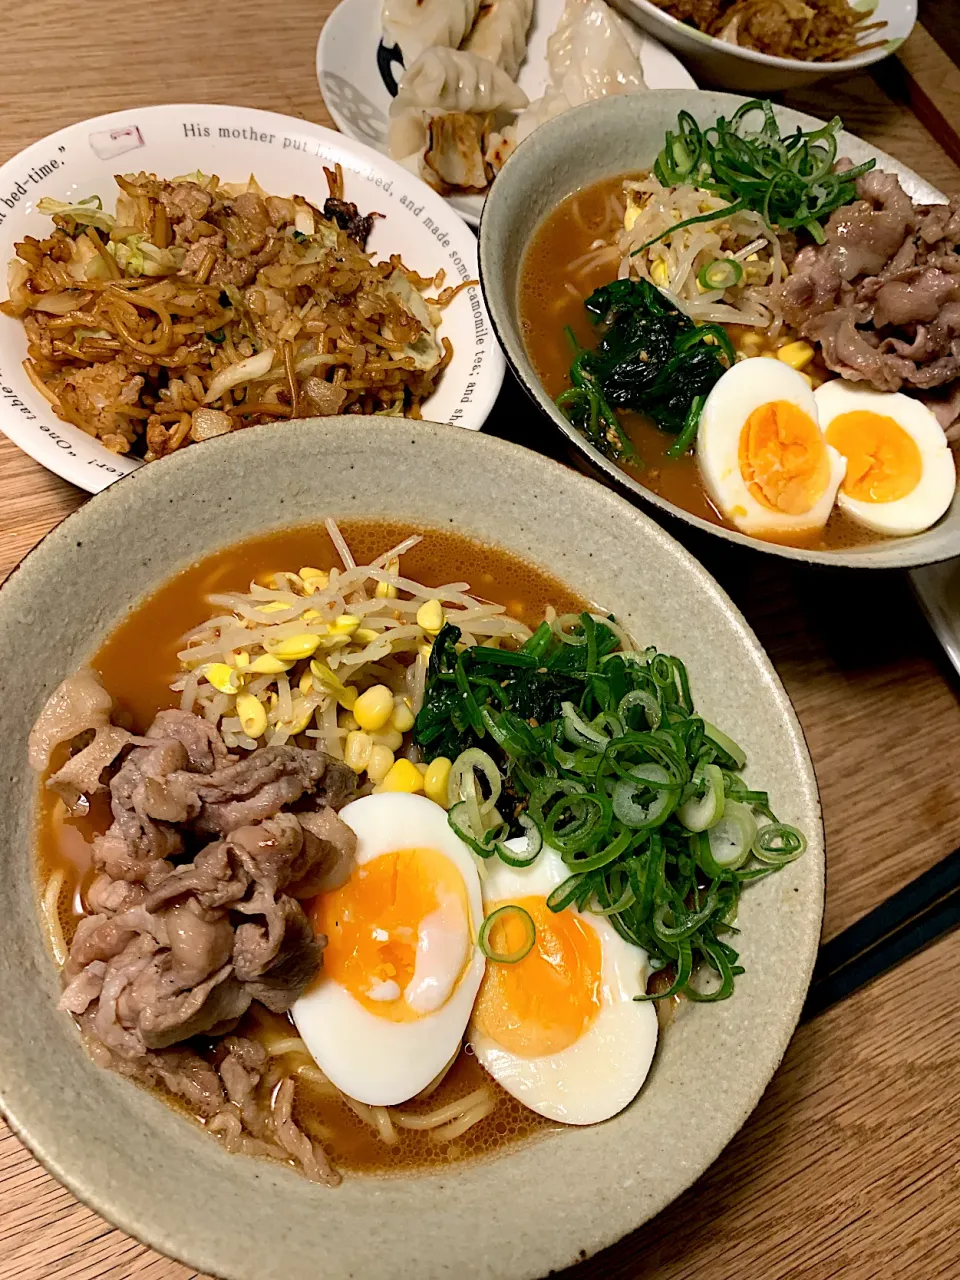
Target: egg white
<point>930,498</point>
<point>375,1060</point>
<point>742,389</point>
<point>603,1071</point>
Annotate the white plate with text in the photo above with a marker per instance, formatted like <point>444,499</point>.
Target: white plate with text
<point>287,156</point>
<point>357,73</point>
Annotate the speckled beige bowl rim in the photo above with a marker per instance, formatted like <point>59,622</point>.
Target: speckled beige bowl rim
<point>619,135</point>
<point>538,1206</point>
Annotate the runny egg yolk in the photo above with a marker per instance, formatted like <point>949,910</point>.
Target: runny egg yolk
<point>543,1003</point>
<point>783,458</point>
<point>883,460</point>
<point>398,932</point>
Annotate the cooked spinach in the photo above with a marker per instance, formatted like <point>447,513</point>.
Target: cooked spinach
<point>529,685</point>
<point>650,358</point>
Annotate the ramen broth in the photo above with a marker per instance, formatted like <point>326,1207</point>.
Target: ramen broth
<point>138,662</point>
<point>562,266</point>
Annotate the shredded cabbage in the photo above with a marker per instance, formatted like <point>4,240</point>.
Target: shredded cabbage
<point>248,370</point>
<point>89,212</point>
<point>139,257</point>
<point>425,352</point>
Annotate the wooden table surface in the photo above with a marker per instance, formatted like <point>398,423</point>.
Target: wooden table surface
<point>849,1166</point>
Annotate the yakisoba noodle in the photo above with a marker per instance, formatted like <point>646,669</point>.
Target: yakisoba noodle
<point>807,30</point>
<point>200,307</point>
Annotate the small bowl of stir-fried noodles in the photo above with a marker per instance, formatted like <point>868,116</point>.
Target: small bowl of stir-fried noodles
<point>151,304</point>
<point>758,46</point>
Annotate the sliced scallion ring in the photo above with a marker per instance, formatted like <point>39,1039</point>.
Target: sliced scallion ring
<point>635,807</point>
<point>458,819</point>
<point>777,844</point>
<point>604,856</point>
<point>724,273</point>
<point>577,821</point>
<point>503,915</point>
<point>700,813</point>
<point>528,850</point>
<point>726,745</point>
<point>590,736</point>
<point>728,843</point>
<point>640,698</point>
<point>565,621</point>
<point>566,892</point>
<point>463,783</point>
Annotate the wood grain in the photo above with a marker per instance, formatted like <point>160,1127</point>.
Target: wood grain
<point>848,1167</point>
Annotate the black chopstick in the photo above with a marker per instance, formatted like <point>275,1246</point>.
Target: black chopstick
<point>917,915</point>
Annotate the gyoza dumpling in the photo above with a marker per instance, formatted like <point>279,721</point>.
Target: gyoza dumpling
<point>590,54</point>
<point>416,25</point>
<point>500,33</point>
<point>447,80</point>
<point>590,57</point>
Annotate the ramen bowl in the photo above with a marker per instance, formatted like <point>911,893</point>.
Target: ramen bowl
<point>155,1173</point>
<point>624,135</point>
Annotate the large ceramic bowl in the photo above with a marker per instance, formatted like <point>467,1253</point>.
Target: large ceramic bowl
<point>620,135</point>
<point>536,1207</point>
<point>729,67</point>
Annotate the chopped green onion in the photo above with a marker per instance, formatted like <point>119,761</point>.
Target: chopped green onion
<point>718,957</point>
<point>462,784</point>
<point>527,853</point>
<point>575,822</point>
<point>778,844</point>
<point>727,845</point>
<point>579,732</point>
<point>699,813</point>
<point>604,857</point>
<point>597,752</point>
<point>633,809</point>
<point>789,180</point>
<point>458,819</point>
<point>640,698</point>
<point>562,896</point>
<point>724,273</point>
<point>502,915</point>
<point>726,745</point>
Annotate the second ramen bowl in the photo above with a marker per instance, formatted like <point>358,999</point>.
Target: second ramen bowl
<point>622,135</point>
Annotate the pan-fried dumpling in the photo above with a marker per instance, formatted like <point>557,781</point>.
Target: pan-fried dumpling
<point>453,158</point>
<point>416,25</point>
<point>447,80</point>
<point>500,33</point>
<point>590,56</point>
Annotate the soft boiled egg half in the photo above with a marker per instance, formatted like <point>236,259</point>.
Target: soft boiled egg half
<point>401,968</point>
<point>901,475</point>
<point>561,1029</point>
<point>764,460</point>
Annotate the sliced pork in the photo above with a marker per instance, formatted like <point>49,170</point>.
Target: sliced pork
<point>881,296</point>
<point>194,910</point>
<point>77,712</point>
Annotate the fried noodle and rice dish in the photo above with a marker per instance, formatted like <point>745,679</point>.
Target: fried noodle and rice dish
<point>199,307</point>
